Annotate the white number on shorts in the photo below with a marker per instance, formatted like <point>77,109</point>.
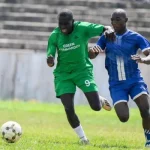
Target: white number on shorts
<point>87,82</point>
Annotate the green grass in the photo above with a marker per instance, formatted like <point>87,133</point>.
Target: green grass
<point>45,127</point>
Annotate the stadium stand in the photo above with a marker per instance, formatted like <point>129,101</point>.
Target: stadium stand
<point>26,25</point>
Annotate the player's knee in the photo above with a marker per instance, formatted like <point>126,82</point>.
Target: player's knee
<point>96,107</point>
<point>124,117</point>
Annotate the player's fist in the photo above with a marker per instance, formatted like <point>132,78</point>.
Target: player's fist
<point>109,33</point>
<point>94,51</point>
<point>50,61</point>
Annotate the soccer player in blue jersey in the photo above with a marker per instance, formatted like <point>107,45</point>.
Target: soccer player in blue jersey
<point>124,75</point>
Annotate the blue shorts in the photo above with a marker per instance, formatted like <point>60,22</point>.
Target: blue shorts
<point>121,91</point>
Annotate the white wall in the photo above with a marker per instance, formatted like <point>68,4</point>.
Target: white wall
<point>25,75</point>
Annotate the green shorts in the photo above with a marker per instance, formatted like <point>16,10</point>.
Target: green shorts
<point>83,80</point>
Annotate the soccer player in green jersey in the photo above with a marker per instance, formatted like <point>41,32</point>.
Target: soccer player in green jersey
<point>74,68</point>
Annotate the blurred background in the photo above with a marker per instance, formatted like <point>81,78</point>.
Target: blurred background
<point>25,26</point>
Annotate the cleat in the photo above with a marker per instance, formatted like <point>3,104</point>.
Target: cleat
<point>84,142</point>
<point>105,103</point>
<point>147,136</point>
<point>147,144</point>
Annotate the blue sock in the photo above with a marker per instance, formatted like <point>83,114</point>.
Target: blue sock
<point>147,136</point>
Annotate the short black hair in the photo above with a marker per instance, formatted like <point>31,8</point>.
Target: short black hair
<point>66,13</point>
<point>121,12</point>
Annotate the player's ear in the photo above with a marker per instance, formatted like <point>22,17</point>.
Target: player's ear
<point>126,20</point>
<point>72,21</point>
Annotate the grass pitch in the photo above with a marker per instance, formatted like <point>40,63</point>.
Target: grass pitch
<point>45,127</point>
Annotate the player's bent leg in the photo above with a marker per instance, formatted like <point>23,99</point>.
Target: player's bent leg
<point>122,111</point>
<point>85,81</point>
<point>93,99</point>
<point>96,101</point>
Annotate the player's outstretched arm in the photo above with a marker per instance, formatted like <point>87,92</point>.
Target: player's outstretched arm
<point>94,51</point>
<point>139,59</point>
<point>109,33</point>
<point>50,61</point>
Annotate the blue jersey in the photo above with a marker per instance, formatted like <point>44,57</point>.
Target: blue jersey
<point>118,60</point>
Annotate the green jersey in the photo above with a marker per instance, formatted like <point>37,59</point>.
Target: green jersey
<point>72,49</point>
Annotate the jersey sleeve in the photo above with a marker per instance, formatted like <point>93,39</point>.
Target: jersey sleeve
<point>102,42</point>
<point>51,47</point>
<point>143,43</point>
<point>92,30</point>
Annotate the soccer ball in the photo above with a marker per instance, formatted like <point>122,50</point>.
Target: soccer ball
<point>11,131</point>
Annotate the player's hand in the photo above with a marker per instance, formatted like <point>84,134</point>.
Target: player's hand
<point>109,33</point>
<point>137,58</point>
<point>50,61</point>
<point>94,51</point>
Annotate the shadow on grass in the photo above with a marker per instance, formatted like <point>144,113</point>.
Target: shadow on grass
<point>102,146</point>
<point>91,145</point>
<point>110,146</point>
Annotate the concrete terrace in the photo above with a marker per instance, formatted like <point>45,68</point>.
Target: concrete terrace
<point>26,25</point>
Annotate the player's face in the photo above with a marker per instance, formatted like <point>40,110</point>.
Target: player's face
<point>118,22</point>
<point>66,25</point>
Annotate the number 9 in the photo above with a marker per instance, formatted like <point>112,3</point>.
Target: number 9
<point>87,82</point>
